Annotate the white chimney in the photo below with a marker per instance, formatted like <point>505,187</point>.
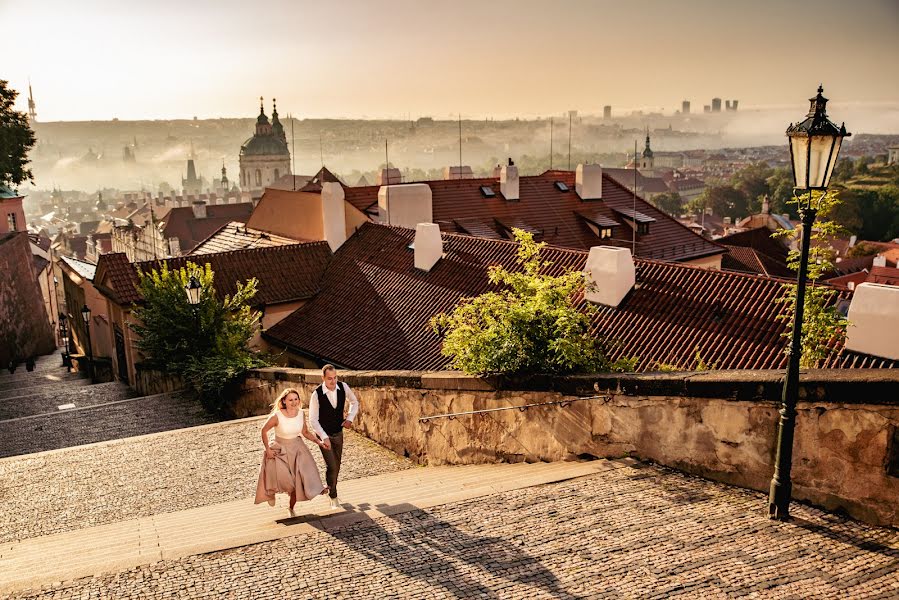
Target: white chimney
<point>199,209</point>
<point>588,182</point>
<point>879,261</point>
<point>852,240</point>
<point>463,172</point>
<point>610,275</point>
<point>405,205</point>
<point>428,246</point>
<point>497,171</point>
<point>508,181</point>
<point>390,176</point>
<point>333,215</point>
<point>874,320</point>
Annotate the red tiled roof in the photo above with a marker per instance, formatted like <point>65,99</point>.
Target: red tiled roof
<point>884,275</point>
<point>190,231</point>
<point>374,306</point>
<point>747,260</point>
<point>284,273</point>
<point>760,240</point>
<point>543,207</point>
<point>237,236</point>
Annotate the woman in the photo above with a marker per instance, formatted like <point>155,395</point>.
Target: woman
<point>288,466</point>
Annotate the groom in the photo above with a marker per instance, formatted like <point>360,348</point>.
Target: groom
<point>326,414</point>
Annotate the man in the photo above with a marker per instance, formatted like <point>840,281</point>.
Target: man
<point>326,414</point>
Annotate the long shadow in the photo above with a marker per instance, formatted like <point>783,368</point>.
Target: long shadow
<point>426,547</point>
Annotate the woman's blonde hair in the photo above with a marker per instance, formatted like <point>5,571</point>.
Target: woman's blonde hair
<point>280,401</point>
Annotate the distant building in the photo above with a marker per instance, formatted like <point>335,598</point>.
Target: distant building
<point>264,158</point>
<point>685,107</point>
<point>607,112</point>
<point>706,108</point>
<point>12,215</point>
<point>716,104</point>
<point>191,185</point>
<point>731,105</point>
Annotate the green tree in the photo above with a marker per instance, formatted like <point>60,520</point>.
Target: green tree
<point>725,201</point>
<point>531,326</point>
<point>16,140</point>
<point>207,344</point>
<point>780,192</point>
<point>670,202</point>
<point>823,326</point>
<point>752,180</point>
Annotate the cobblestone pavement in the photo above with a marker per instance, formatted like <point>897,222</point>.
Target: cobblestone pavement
<point>626,533</point>
<point>47,399</point>
<point>75,427</point>
<point>124,479</point>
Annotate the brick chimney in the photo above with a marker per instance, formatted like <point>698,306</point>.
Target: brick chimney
<point>508,181</point>
<point>333,215</point>
<point>874,315</point>
<point>610,275</point>
<point>199,208</point>
<point>428,246</point>
<point>588,182</point>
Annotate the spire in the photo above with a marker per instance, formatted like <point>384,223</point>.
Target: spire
<point>32,112</point>
<point>277,128</point>
<point>647,152</point>
<point>262,125</point>
<point>261,107</point>
<point>224,171</point>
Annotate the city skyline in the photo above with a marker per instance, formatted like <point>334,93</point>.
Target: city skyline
<point>393,59</point>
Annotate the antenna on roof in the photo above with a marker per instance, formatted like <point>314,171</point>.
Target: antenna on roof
<point>634,213</point>
<point>321,153</point>
<point>460,144</point>
<point>550,143</point>
<point>293,155</point>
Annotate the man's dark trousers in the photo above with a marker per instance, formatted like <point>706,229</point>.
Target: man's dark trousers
<point>332,461</point>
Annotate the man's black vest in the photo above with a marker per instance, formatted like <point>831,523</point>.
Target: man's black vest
<point>330,418</point>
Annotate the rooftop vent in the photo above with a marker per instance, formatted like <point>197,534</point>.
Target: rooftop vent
<point>610,275</point>
<point>874,314</point>
<point>588,182</point>
<point>508,181</point>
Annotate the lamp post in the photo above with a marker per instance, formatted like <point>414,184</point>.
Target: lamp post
<point>814,146</point>
<point>64,332</point>
<point>193,289</point>
<point>86,315</point>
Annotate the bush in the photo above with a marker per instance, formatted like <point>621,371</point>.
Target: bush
<point>208,344</point>
<point>533,326</point>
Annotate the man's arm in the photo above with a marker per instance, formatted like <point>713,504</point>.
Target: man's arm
<point>313,417</point>
<point>354,403</point>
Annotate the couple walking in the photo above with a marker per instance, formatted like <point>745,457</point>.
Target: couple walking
<point>287,465</point>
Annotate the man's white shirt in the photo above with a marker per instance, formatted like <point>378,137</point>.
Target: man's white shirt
<point>331,395</point>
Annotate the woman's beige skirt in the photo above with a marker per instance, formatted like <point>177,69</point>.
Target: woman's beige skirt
<point>293,469</point>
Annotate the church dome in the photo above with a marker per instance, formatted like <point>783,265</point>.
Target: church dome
<point>264,145</point>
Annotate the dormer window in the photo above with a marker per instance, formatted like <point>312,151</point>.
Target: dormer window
<point>605,233</point>
<point>636,219</point>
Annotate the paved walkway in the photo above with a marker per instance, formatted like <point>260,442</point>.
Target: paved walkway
<point>140,476</point>
<point>631,531</point>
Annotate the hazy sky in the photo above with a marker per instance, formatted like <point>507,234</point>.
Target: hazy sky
<point>98,59</point>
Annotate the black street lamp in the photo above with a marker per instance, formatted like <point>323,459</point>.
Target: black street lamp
<point>193,290</point>
<point>86,315</point>
<point>64,333</point>
<point>814,146</point>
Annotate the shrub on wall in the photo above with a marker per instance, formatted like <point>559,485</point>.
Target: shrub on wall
<point>207,344</point>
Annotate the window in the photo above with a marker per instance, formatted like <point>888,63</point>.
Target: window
<point>11,222</point>
<point>258,177</point>
<point>605,233</point>
<point>277,174</point>
<point>642,228</point>
<point>561,186</point>
<point>487,191</point>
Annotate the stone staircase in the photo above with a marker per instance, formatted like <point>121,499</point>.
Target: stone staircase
<point>50,408</point>
<point>147,539</point>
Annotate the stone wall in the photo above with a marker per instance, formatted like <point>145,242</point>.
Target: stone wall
<point>149,382</point>
<point>721,425</point>
<point>24,329</point>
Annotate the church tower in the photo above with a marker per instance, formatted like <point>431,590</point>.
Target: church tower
<point>646,159</point>
<point>264,158</point>
<point>32,110</point>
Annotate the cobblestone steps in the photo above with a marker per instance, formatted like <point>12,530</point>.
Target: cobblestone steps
<point>47,399</point>
<point>100,422</point>
<point>117,546</point>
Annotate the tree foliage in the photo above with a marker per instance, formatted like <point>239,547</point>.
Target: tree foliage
<point>207,344</point>
<point>531,326</point>
<point>823,326</point>
<point>670,202</point>
<point>16,139</point>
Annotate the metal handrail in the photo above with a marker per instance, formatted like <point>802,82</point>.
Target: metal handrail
<point>522,408</point>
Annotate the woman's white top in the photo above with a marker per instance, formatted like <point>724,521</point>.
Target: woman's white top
<point>289,427</point>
